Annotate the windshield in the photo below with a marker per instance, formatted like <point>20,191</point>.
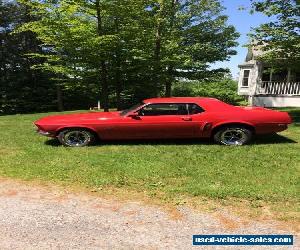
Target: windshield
<point>126,111</point>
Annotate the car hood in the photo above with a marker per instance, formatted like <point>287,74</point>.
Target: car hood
<point>79,117</point>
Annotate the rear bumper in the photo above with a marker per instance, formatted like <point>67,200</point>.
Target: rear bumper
<point>271,128</point>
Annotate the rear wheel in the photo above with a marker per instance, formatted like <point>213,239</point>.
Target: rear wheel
<point>76,137</point>
<point>233,135</point>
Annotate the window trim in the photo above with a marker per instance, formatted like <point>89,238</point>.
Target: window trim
<point>248,78</point>
<point>187,105</point>
<point>203,110</point>
<point>161,103</point>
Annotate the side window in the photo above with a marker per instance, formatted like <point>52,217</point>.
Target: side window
<point>164,109</point>
<point>246,75</point>
<point>195,109</point>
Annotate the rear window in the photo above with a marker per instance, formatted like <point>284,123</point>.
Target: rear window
<point>195,109</point>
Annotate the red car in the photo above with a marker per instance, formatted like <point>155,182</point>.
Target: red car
<point>157,118</point>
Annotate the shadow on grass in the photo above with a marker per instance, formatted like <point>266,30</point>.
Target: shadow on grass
<point>264,139</point>
<point>272,139</point>
<point>53,143</point>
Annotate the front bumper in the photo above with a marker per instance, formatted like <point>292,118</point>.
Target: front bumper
<point>45,133</point>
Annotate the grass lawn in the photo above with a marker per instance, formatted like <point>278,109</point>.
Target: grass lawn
<point>267,170</point>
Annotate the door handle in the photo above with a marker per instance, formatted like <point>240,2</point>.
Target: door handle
<point>186,118</point>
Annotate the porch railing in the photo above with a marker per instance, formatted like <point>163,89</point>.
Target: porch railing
<point>278,88</point>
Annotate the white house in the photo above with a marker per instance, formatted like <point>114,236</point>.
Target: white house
<point>267,87</point>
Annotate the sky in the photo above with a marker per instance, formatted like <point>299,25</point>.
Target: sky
<point>243,21</point>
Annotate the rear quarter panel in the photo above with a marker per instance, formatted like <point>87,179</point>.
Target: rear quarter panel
<point>262,120</point>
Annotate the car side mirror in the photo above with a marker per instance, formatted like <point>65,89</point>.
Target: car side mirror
<point>134,116</point>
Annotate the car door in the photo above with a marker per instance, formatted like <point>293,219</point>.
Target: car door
<point>160,120</point>
<point>200,118</point>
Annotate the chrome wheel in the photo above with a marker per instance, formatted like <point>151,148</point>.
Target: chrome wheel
<point>75,138</point>
<point>233,136</point>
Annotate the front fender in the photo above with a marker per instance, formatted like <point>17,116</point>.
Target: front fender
<point>75,126</point>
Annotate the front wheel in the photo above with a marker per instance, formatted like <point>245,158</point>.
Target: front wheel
<point>76,137</point>
<point>233,136</point>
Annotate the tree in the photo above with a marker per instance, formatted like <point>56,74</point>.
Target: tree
<point>21,88</point>
<point>189,35</point>
<point>84,39</point>
<point>131,49</point>
<point>279,38</point>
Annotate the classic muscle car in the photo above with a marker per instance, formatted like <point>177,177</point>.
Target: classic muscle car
<point>158,118</point>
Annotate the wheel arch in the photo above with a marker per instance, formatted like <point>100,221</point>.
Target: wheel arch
<point>227,124</point>
<point>93,131</point>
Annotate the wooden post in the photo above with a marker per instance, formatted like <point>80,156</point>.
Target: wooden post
<point>250,100</point>
<point>288,78</point>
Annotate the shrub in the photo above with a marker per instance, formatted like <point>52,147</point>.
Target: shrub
<point>225,90</point>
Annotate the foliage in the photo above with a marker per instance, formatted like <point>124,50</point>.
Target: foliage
<point>20,87</point>
<point>279,38</point>
<point>25,88</point>
<point>225,90</point>
<point>129,50</point>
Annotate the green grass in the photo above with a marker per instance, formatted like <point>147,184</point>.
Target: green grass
<point>266,170</point>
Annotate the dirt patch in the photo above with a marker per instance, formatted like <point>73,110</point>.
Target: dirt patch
<point>227,222</point>
<point>50,217</point>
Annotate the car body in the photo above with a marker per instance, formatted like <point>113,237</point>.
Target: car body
<point>175,117</point>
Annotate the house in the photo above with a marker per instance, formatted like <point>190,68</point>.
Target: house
<point>265,86</point>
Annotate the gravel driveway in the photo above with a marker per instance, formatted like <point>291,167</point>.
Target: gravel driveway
<point>34,217</point>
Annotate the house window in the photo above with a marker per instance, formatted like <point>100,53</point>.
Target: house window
<point>245,82</point>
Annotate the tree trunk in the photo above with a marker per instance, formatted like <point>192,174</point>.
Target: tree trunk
<point>168,84</point>
<point>157,52</point>
<point>118,83</point>
<point>169,78</point>
<point>104,87</point>
<point>3,69</point>
<point>168,89</point>
<point>59,98</point>
<point>118,70</point>
<point>103,70</point>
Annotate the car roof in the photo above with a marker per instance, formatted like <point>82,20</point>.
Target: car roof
<point>178,99</point>
<point>204,102</point>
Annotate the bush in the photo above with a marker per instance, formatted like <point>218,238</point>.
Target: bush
<point>225,90</point>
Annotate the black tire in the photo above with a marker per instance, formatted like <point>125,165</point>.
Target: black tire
<point>233,135</point>
<point>76,137</point>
